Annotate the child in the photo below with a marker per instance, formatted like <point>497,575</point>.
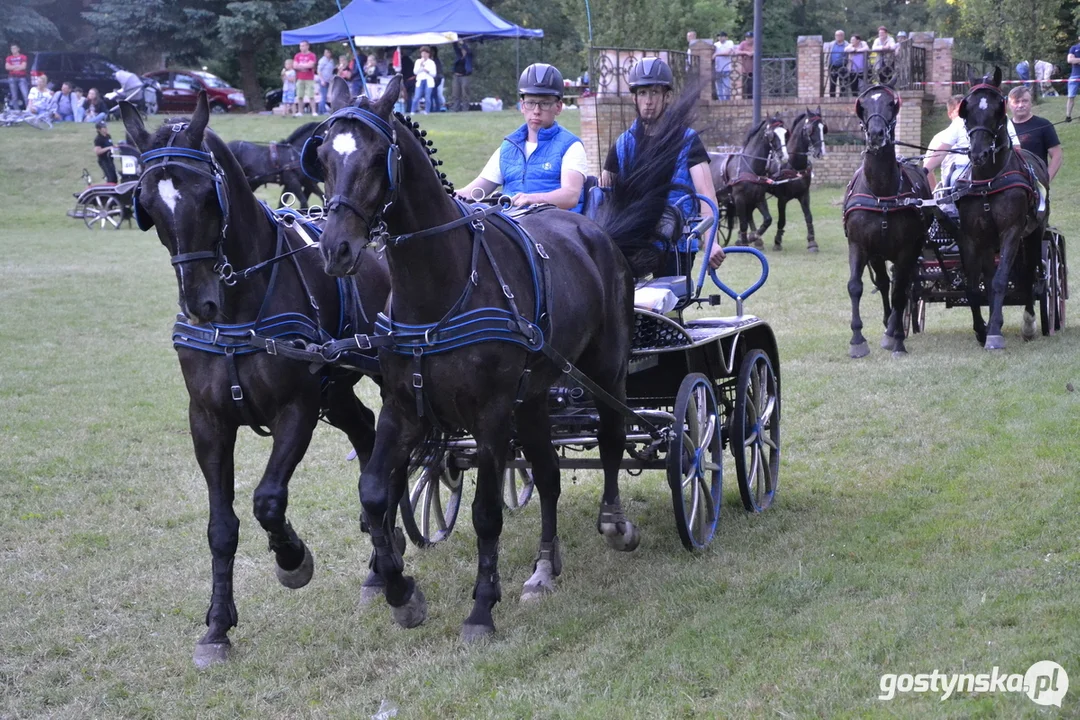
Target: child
<point>288,88</point>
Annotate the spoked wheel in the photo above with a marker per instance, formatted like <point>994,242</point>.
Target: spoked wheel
<point>103,212</point>
<point>695,462</point>
<point>431,509</point>
<point>517,486</point>
<point>724,226</point>
<point>915,309</point>
<point>1052,299</point>
<point>755,431</point>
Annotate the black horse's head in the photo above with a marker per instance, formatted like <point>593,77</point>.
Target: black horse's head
<point>355,152</point>
<point>776,137</point>
<point>983,112</point>
<point>877,108</point>
<point>182,194</point>
<point>813,128</point>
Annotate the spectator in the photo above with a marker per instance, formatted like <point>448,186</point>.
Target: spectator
<point>78,104</point>
<point>424,69</point>
<point>103,145</point>
<point>884,46</point>
<point>691,38</point>
<point>723,49</point>
<point>371,70</point>
<point>438,99</point>
<point>64,104</point>
<point>344,69</point>
<point>858,50</point>
<point>18,88</point>
<point>1044,73</point>
<point>463,68</point>
<point>745,51</point>
<point>837,57</point>
<point>95,108</point>
<point>540,162</point>
<point>304,63</point>
<point>325,71</point>
<point>1023,71</point>
<point>1073,59</point>
<point>356,72</point>
<point>1036,134</point>
<point>40,99</point>
<point>288,88</point>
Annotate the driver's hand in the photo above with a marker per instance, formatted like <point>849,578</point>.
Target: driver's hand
<point>521,200</point>
<point>716,257</point>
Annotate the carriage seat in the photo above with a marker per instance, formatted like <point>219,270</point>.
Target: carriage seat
<point>661,295</point>
<point>592,197</point>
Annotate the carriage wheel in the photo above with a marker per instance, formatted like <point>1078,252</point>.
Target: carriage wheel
<point>755,432</point>
<point>517,486</point>
<point>103,211</point>
<point>431,509</point>
<point>915,310</point>
<point>1061,282</point>
<point>695,462</point>
<point>1051,300</point>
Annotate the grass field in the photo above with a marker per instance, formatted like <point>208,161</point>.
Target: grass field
<point>927,516</point>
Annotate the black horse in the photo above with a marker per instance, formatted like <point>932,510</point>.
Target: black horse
<point>559,293</point>
<point>882,220</point>
<point>1000,213</point>
<point>806,140</point>
<point>277,164</point>
<point>740,178</point>
<point>194,193</point>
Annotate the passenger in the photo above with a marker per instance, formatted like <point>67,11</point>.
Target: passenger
<point>651,83</point>
<point>540,162</point>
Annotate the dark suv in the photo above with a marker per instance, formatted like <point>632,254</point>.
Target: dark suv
<point>84,70</point>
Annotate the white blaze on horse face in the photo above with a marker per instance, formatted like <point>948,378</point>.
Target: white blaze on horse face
<point>821,138</point>
<point>781,133</point>
<point>168,192</point>
<point>982,104</point>
<point>344,144</point>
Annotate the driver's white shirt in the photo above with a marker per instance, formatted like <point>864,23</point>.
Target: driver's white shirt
<point>574,159</point>
<point>956,137</point>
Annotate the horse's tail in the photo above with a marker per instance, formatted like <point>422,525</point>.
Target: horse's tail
<point>639,196</point>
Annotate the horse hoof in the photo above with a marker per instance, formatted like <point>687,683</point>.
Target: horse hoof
<point>888,343</point>
<point>897,354</point>
<point>472,633</point>
<point>1028,327</point>
<point>541,584</point>
<point>757,243</point>
<point>777,247</point>
<point>627,541</point>
<point>413,612</point>
<point>811,247</point>
<point>859,351</point>
<point>301,575</point>
<point>995,342</point>
<point>211,654</point>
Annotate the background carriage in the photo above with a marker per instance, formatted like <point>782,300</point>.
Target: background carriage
<point>108,205</point>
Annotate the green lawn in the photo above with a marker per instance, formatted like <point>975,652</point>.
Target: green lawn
<point>927,519</point>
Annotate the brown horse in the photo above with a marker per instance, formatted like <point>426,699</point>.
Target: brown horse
<point>740,178</point>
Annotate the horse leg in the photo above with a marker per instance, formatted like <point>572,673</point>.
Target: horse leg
<point>382,483</point>
<point>972,267</point>
<point>999,285</point>
<point>894,330</point>
<point>618,531</point>
<point>879,272</point>
<point>492,444</point>
<point>856,262</point>
<point>292,435</point>
<point>534,433</point>
<point>744,219</point>
<point>766,221</point>
<point>1032,260</point>
<point>804,201</point>
<point>781,221</point>
<point>214,446</point>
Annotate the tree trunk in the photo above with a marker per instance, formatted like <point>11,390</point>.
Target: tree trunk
<point>249,79</point>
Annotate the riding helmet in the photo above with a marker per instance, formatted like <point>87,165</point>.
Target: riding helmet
<point>650,71</point>
<point>541,79</point>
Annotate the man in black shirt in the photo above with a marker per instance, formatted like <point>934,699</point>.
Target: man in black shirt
<point>1037,135</point>
<point>103,149</point>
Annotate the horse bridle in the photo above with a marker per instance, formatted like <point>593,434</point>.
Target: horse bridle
<point>994,149</point>
<point>165,158</point>
<point>890,126</point>
<point>809,122</point>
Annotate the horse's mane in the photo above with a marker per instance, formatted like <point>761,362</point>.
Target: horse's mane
<point>429,146</point>
<point>798,119</point>
<point>638,198</point>
<point>304,130</point>
<point>754,131</point>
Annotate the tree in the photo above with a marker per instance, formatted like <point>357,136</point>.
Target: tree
<point>24,22</point>
<point>1016,29</point>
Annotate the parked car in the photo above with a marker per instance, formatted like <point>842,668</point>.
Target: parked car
<point>81,69</point>
<point>180,89</point>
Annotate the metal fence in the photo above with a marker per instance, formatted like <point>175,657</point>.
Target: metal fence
<point>609,67</point>
<point>904,68</point>
<point>964,69</point>
<point>779,78</point>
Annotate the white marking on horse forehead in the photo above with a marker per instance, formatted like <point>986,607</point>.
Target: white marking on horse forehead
<point>168,192</point>
<point>344,143</point>
<point>875,96</point>
<point>982,104</point>
<point>781,133</point>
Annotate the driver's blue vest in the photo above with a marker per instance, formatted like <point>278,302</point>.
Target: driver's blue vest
<point>542,172</point>
<point>679,197</point>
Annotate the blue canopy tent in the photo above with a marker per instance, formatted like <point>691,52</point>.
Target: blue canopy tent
<point>389,18</point>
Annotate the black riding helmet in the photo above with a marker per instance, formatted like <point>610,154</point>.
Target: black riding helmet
<point>650,71</point>
<point>541,79</point>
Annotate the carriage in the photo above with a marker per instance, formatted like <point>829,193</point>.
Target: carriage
<point>695,387</point>
<point>108,205</point>
<point>939,278</point>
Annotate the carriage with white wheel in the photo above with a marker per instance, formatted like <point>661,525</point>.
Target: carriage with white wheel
<point>106,206</point>
<point>696,386</point>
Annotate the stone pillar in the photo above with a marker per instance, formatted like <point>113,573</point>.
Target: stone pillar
<point>808,63</point>
<point>703,51</point>
<point>590,132</point>
<point>941,66</point>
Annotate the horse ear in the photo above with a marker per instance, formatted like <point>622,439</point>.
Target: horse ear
<point>200,118</point>
<point>385,105</point>
<point>339,94</point>
<point>997,76</point>
<point>133,123</point>
<point>818,113</point>
<point>972,79</point>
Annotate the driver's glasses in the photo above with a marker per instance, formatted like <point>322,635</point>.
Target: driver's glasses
<point>537,104</point>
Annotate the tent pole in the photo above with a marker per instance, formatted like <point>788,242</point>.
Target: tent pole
<point>352,45</point>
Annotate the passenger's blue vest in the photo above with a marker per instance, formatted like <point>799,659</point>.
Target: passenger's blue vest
<point>542,172</point>
<point>679,197</point>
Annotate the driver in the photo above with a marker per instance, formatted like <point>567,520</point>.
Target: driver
<point>651,83</point>
<point>540,162</point>
<point>103,146</point>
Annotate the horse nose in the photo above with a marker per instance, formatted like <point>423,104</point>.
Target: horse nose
<point>337,256</point>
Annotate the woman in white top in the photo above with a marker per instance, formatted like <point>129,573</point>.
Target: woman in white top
<point>424,69</point>
<point>40,99</point>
